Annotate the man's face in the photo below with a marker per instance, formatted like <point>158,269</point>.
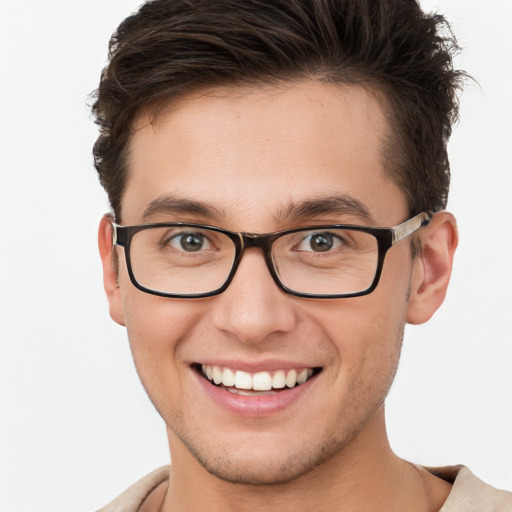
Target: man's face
<point>263,160</point>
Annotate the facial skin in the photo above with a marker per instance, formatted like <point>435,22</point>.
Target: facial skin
<point>251,155</point>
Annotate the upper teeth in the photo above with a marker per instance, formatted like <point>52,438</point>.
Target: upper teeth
<point>260,381</point>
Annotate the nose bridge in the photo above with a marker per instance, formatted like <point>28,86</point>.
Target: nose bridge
<point>253,306</point>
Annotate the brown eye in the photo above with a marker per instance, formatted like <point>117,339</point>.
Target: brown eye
<point>189,242</point>
<point>320,242</point>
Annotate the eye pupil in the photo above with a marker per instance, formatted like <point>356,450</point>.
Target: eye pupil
<point>321,242</point>
<point>192,242</point>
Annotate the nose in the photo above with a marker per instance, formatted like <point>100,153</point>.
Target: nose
<point>253,307</point>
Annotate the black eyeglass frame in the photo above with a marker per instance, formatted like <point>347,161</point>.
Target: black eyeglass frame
<point>386,237</point>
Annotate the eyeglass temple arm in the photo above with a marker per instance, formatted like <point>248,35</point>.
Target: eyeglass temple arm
<point>114,233</point>
<point>410,226</point>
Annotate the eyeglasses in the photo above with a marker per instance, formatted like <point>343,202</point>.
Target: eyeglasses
<point>191,260</point>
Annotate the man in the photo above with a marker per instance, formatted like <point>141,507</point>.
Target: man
<point>278,176</point>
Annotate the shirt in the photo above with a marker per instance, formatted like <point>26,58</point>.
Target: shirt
<point>468,494</point>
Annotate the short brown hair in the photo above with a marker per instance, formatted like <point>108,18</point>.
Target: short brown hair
<point>170,47</point>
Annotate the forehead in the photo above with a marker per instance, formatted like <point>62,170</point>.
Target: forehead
<point>252,153</point>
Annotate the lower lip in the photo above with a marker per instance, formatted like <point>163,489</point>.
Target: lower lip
<point>257,405</point>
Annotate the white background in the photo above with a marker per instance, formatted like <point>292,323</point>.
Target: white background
<point>75,425</point>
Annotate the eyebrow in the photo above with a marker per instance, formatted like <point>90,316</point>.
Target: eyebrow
<point>301,211</point>
<point>181,206</point>
<point>342,204</point>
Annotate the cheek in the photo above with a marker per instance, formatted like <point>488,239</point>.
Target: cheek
<point>155,324</point>
<point>383,332</point>
<point>367,333</point>
<point>157,328</point>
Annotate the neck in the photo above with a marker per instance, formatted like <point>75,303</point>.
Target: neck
<point>365,475</point>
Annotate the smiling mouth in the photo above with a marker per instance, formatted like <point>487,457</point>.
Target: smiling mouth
<point>245,383</point>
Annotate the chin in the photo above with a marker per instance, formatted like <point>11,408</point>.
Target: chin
<point>258,472</point>
<point>266,466</point>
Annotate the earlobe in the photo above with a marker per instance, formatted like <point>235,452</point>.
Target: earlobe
<point>110,272</point>
<point>432,268</point>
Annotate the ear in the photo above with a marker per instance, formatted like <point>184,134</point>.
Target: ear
<point>432,268</point>
<point>110,272</point>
